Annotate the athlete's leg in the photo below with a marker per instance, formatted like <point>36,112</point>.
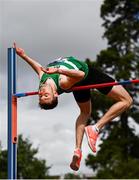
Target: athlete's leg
<point>124,101</point>
<point>85,112</point>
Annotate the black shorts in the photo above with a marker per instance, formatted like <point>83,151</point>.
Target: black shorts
<point>94,77</point>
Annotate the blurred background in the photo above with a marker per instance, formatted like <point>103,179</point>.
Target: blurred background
<point>103,33</point>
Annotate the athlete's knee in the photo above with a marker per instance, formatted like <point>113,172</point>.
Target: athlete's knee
<point>128,102</point>
<point>118,93</point>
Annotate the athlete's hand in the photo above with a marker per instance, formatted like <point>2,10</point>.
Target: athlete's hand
<point>50,70</point>
<point>19,51</point>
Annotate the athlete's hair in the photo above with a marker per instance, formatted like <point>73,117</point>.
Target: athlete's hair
<point>51,105</point>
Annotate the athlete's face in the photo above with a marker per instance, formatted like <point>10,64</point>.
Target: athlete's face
<point>46,95</point>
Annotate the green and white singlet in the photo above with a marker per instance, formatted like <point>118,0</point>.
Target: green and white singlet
<point>64,63</point>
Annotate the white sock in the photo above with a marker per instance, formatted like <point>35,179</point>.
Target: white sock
<point>95,128</point>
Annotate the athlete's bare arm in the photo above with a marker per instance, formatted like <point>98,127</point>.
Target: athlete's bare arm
<point>68,72</point>
<point>68,77</point>
<point>35,65</point>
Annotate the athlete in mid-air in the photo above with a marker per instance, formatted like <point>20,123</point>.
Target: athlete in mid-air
<point>61,75</point>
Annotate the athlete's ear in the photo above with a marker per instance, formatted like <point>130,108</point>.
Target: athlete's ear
<point>55,94</point>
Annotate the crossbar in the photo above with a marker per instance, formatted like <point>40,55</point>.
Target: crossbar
<point>91,86</point>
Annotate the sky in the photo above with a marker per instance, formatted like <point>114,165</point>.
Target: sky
<point>48,29</point>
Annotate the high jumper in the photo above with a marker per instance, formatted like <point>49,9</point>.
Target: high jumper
<point>62,75</point>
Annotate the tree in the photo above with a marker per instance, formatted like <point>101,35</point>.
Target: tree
<point>28,165</point>
<point>3,161</point>
<point>118,156</point>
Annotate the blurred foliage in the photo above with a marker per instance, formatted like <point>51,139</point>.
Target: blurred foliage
<point>28,165</point>
<point>3,164</point>
<point>118,156</point>
<point>71,176</point>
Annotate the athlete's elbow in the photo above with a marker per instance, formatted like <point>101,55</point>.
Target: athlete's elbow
<point>81,75</point>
